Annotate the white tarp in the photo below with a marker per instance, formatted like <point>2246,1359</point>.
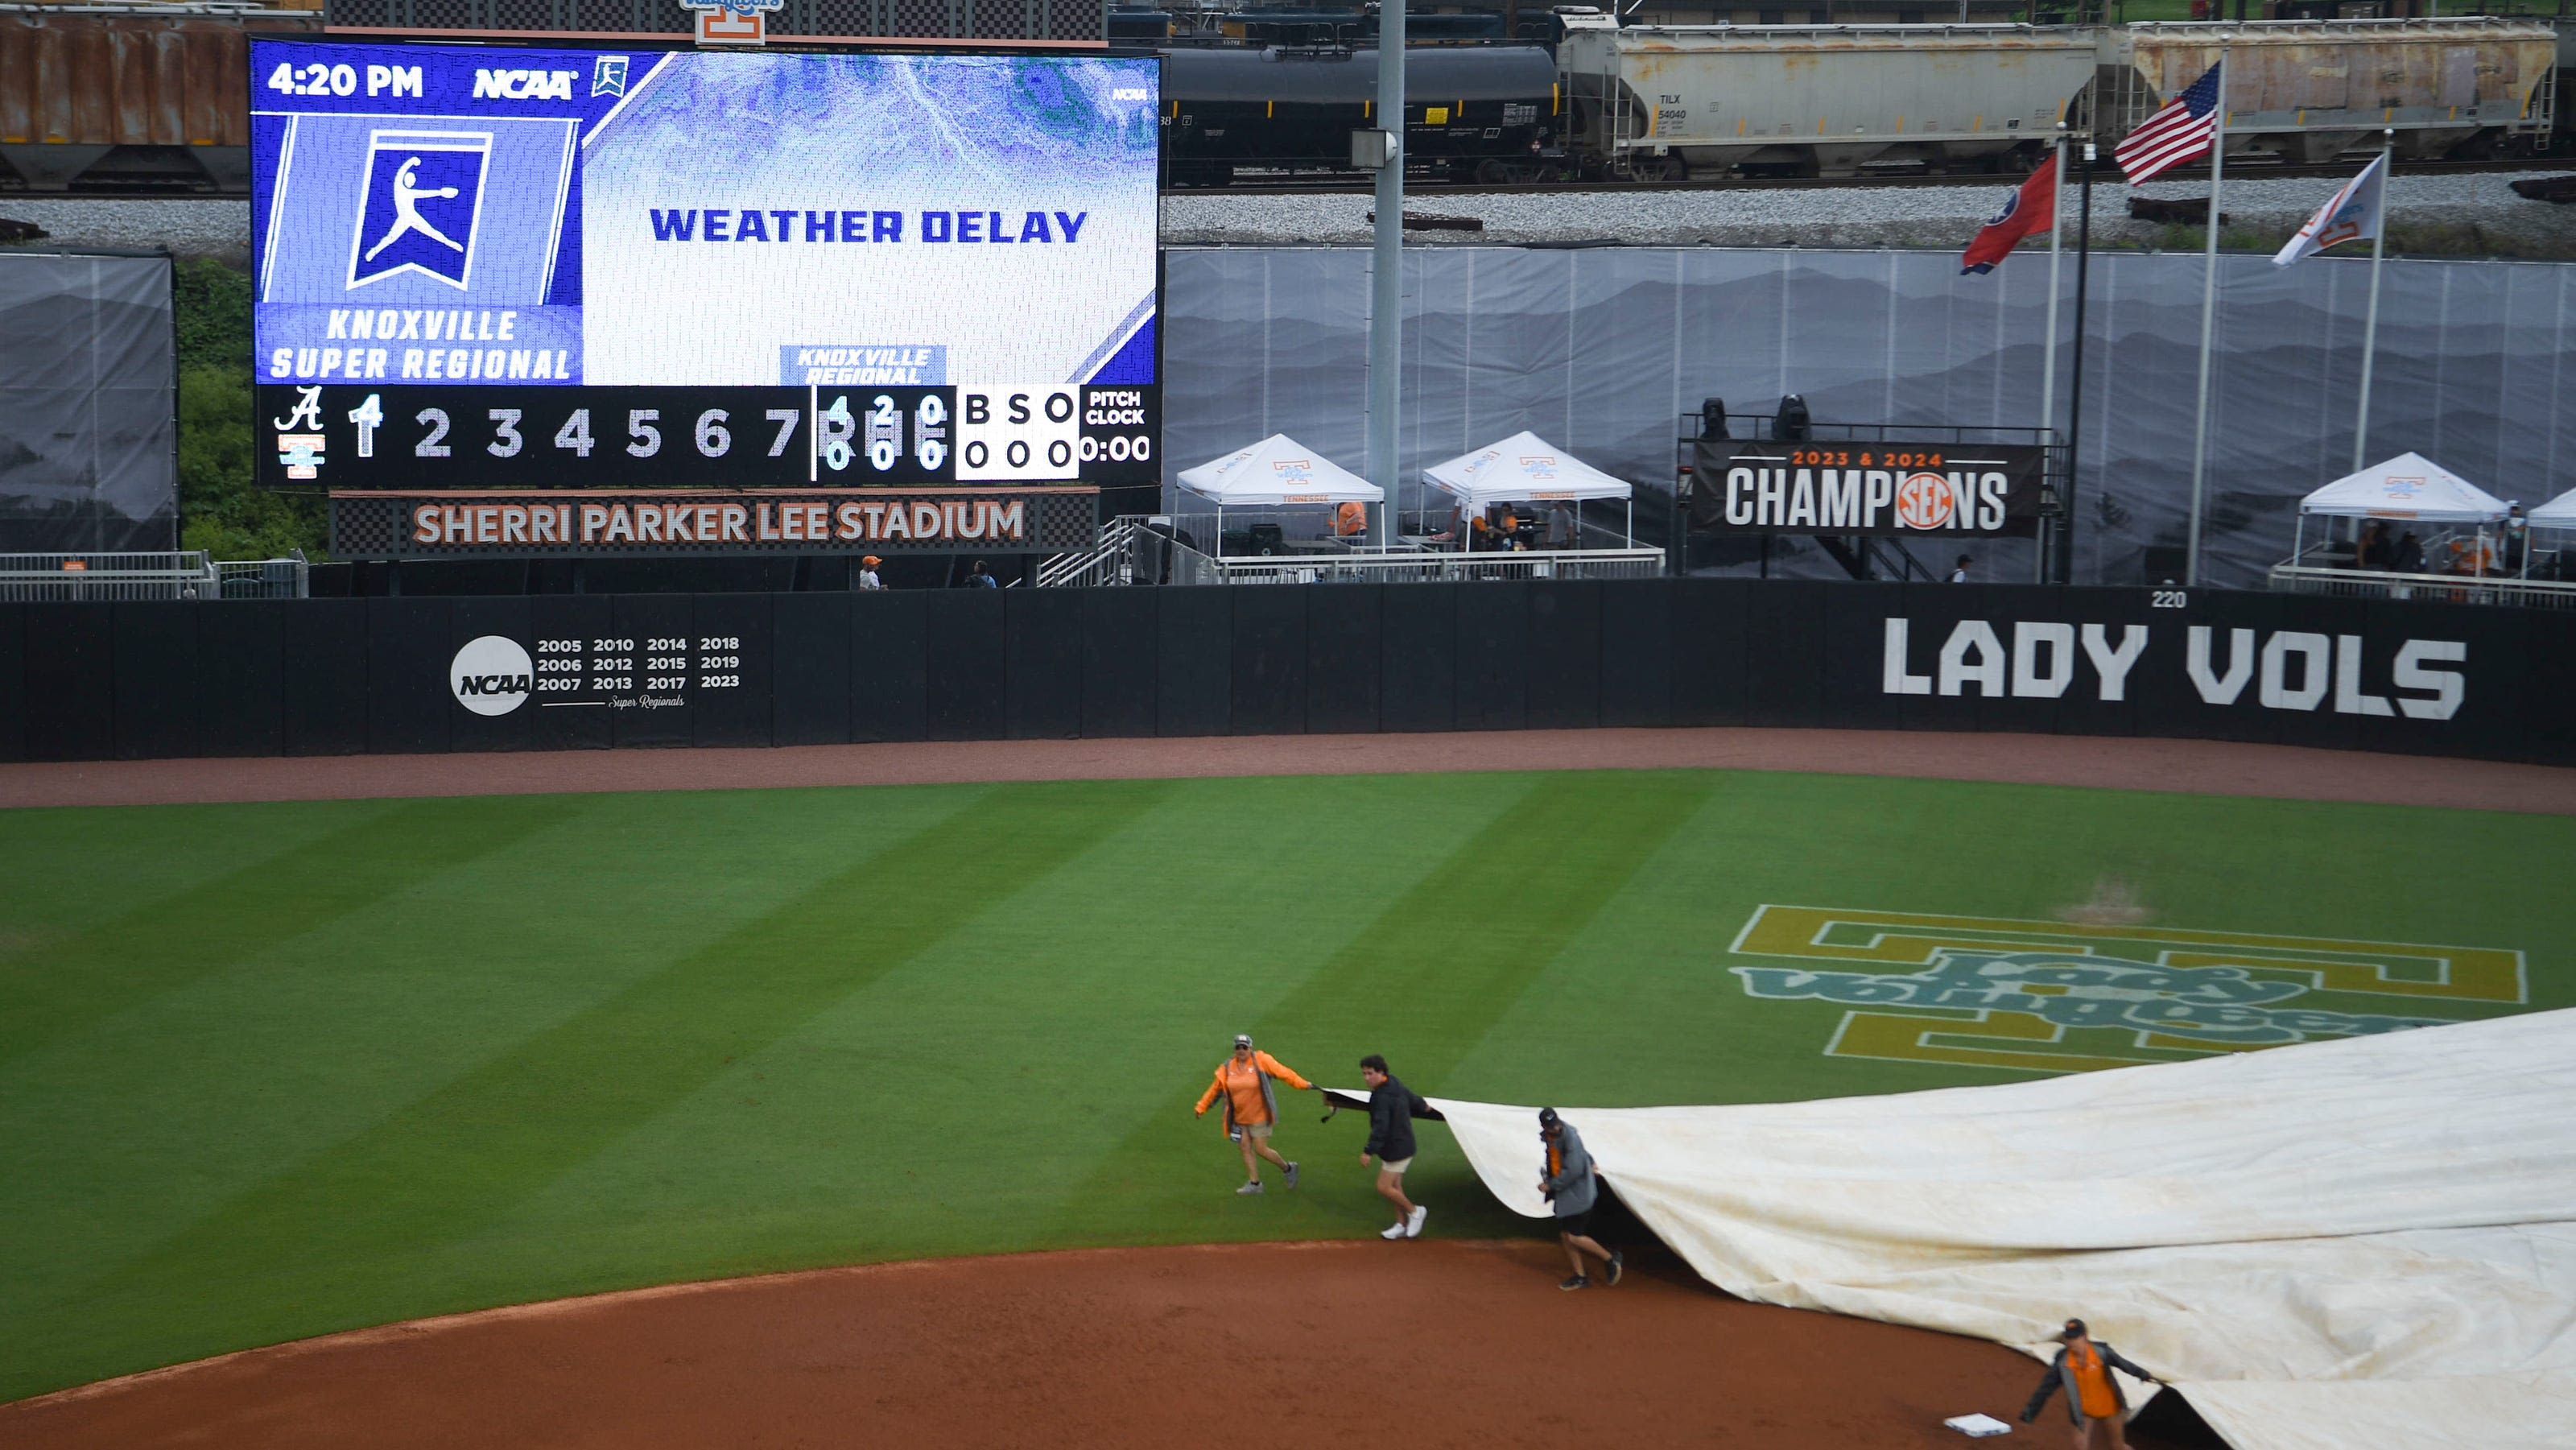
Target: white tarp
<point>2328,1246</point>
<point>1278,470</point>
<point>2558,513</point>
<point>1521,468</point>
<point>2409,486</point>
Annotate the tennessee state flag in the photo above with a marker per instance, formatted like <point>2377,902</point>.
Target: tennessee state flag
<point>2028,210</point>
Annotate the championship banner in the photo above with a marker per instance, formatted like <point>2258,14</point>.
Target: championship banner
<point>673,523</point>
<point>1897,490</point>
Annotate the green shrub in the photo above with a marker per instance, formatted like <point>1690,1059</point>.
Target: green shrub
<point>221,509</point>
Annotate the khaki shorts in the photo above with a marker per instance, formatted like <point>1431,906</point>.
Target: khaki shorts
<point>1257,1130</point>
<point>1394,1166</point>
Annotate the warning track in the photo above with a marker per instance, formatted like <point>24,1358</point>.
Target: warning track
<point>2205,767</point>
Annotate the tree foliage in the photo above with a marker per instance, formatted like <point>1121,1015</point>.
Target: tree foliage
<point>221,509</point>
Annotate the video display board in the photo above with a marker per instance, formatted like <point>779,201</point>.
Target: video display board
<point>594,269</point>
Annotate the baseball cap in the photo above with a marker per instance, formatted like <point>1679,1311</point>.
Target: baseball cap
<point>1546,1118</point>
<point>871,560</point>
<point>2073,1328</point>
<point>1243,1039</point>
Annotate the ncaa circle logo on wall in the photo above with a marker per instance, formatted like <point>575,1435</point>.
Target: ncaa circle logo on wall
<point>1925,501</point>
<point>491,675</point>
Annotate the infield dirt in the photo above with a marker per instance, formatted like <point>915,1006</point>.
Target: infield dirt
<point>1431,1343</point>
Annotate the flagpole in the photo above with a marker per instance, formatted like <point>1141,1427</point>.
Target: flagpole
<point>2370,324</point>
<point>2048,354</point>
<point>2208,315</point>
<point>2075,381</point>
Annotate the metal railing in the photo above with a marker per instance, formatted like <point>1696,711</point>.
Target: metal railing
<point>287,578</point>
<point>179,574</point>
<point>1189,566</point>
<point>2424,588</point>
<point>1144,550</point>
<point>1111,561</point>
<point>26,578</point>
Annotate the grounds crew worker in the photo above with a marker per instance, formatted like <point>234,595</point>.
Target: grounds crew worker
<point>1569,1184</point>
<point>1251,1106</point>
<point>1390,1141</point>
<point>2093,1399</point>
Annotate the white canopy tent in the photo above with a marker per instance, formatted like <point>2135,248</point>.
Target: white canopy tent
<point>1526,468</point>
<point>2409,487</point>
<point>1276,472</point>
<point>2558,513</point>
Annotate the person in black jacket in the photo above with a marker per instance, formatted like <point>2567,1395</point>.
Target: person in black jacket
<point>2093,1399</point>
<point>1390,1141</point>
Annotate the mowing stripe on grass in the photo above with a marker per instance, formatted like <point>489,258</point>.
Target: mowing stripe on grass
<point>1433,972</point>
<point>62,987</point>
<point>436,1171</point>
<point>1494,914</point>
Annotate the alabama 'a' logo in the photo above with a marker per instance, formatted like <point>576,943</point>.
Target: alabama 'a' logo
<point>418,204</point>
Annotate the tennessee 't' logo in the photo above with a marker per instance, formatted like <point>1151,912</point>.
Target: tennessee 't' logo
<point>417,205</point>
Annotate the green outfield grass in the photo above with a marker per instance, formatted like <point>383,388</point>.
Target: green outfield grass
<point>270,1071</point>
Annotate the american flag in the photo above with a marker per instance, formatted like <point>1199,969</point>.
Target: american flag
<point>2180,132</point>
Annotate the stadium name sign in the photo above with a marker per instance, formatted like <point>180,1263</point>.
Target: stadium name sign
<point>2288,669</point>
<point>2053,996</point>
<point>629,525</point>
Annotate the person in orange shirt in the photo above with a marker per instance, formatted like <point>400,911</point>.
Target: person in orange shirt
<point>1252,1106</point>
<point>2083,1369</point>
<point>1350,521</point>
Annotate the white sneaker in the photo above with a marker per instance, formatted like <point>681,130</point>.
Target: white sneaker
<point>1392,1231</point>
<point>1413,1222</point>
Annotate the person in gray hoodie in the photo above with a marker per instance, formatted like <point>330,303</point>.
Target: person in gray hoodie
<point>1570,1186</point>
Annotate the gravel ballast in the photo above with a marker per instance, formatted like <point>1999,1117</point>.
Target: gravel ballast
<point>1900,216</point>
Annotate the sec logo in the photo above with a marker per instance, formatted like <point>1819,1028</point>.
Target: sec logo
<point>1925,501</point>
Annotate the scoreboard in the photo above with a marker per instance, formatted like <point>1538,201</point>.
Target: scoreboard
<point>441,436</point>
<point>533,274</point>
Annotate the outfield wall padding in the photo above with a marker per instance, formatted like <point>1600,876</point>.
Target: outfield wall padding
<point>354,676</point>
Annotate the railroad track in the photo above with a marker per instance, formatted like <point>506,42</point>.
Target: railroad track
<point>2246,168</point>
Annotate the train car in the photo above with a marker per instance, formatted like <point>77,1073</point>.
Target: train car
<point>119,99</point>
<point>2563,135</point>
<point>2310,90</point>
<point>1484,113</point>
<point>1297,25</point>
<point>1661,103</point>
<point>1130,26</point>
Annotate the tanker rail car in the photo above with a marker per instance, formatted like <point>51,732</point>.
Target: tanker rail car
<point>1472,113</point>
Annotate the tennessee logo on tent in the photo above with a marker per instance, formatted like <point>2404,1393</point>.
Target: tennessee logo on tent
<point>2031,208</point>
<point>419,201</point>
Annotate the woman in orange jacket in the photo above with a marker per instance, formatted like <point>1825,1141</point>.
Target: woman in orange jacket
<point>1252,1106</point>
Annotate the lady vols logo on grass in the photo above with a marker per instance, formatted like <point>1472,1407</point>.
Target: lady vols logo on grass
<point>2053,996</point>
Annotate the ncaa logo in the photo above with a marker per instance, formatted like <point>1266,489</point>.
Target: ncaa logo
<point>417,205</point>
<point>1925,501</point>
<point>491,675</point>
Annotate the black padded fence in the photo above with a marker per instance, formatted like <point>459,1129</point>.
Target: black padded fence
<point>414,675</point>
